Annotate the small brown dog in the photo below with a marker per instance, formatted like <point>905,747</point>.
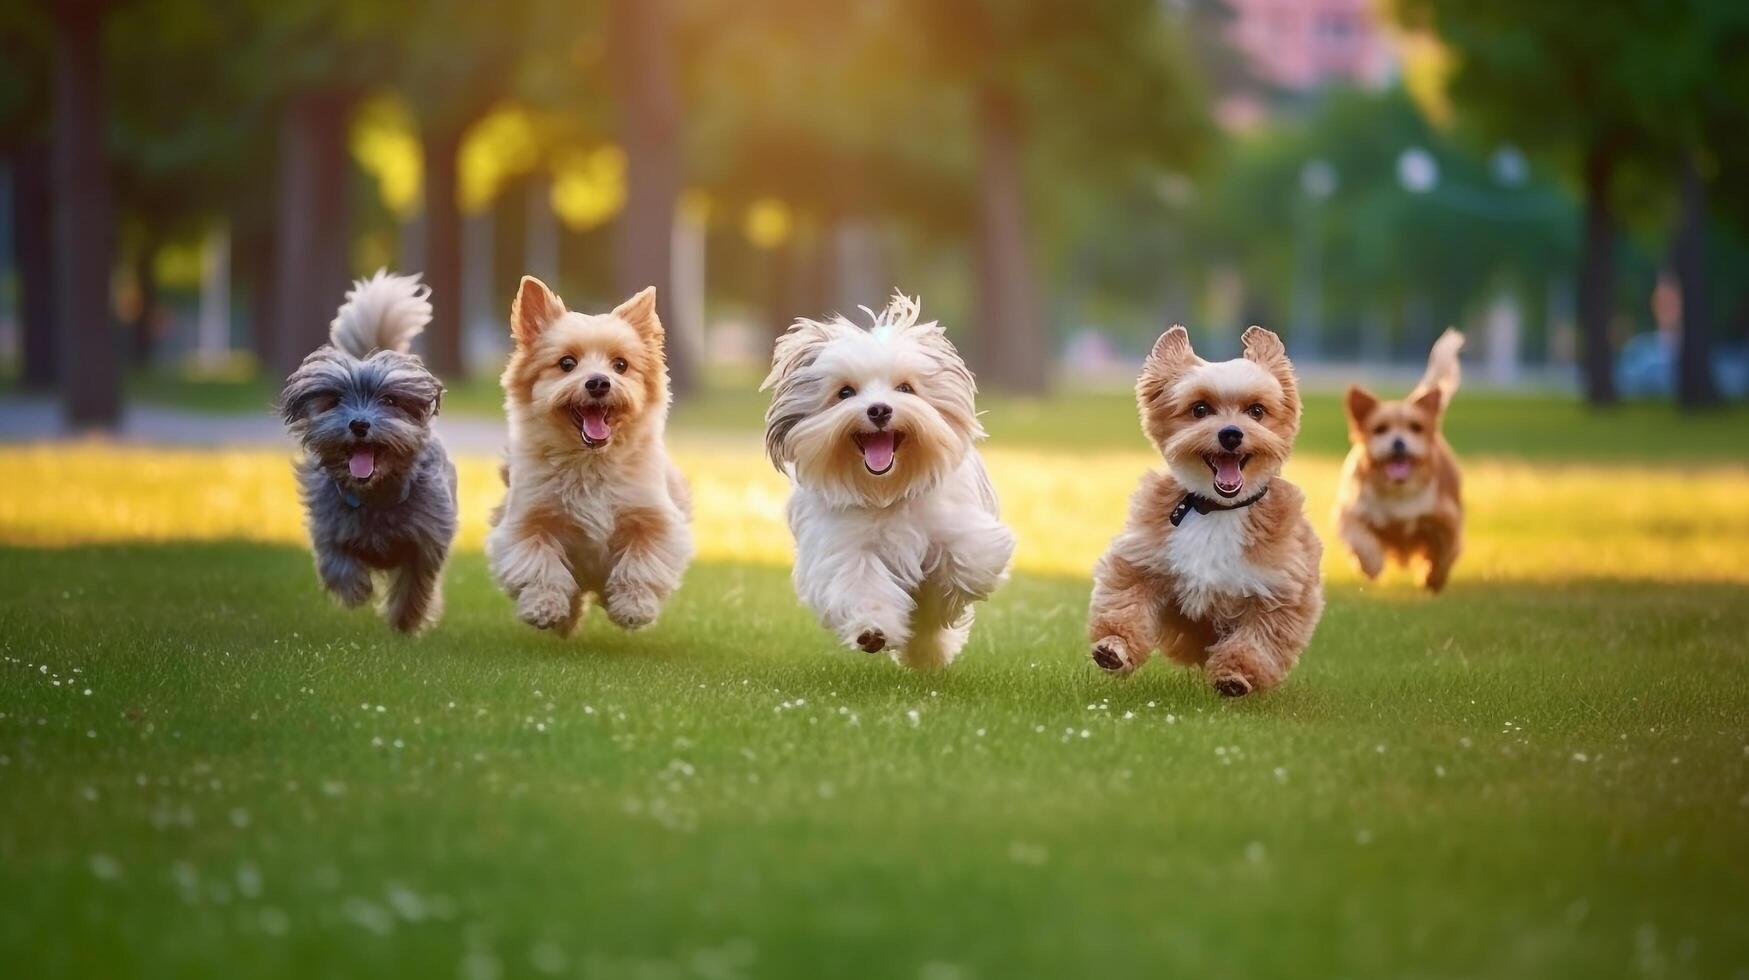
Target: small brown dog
<point>1217,565</point>
<point>1400,495</point>
<point>594,506</point>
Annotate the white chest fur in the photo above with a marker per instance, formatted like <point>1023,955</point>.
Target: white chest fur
<point>1206,557</point>
<point>1406,508</point>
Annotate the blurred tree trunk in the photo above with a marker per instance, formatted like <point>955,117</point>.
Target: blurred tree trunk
<point>252,263</point>
<point>1694,377</point>
<point>310,250</point>
<point>1597,278</point>
<point>84,217</point>
<point>143,332</point>
<point>443,249</point>
<point>33,246</point>
<point>1011,342</point>
<point>639,46</point>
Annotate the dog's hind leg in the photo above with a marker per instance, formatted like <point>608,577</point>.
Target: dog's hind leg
<point>941,624</point>
<point>415,598</point>
<point>345,577</point>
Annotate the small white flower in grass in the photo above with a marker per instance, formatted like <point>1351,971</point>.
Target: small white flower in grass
<point>1021,852</point>
<point>1363,837</point>
<point>1280,774</point>
<point>239,817</point>
<point>88,692</point>
<point>1439,771</point>
<point>376,742</point>
<point>248,880</point>
<point>1581,757</point>
<point>914,717</point>
<point>1086,734</point>
<point>1379,748</point>
<point>1171,719</point>
<point>548,957</point>
<point>89,793</point>
<point>381,709</point>
<point>1128,715</point>
<point>826,791</point>
<point>980,733</point>
<point>273,921</point>
<point>104,867</point>
<point>1255,852</point>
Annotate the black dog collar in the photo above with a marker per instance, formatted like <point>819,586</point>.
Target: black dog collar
<point>1203,505</point>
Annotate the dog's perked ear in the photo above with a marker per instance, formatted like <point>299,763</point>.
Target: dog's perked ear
<point>1166,363</point>
<point>1359,404</point>
<point>533,310</point>
<point>640,312</point>
<point>1263,348</point>
<point>1431,401</point>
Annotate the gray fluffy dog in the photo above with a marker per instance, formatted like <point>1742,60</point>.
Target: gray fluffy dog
<point>378,489</point>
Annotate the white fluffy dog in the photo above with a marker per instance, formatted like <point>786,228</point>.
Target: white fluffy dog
<point>895,520</point>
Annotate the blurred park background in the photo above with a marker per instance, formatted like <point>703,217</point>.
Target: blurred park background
<point>189,186</point>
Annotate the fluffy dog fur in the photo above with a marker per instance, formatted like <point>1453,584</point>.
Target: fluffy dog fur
<point>377,486</point>
<point>1237,590</point>
<point>594,507</point>
<point>1400,494</point>
<point>894,516</point>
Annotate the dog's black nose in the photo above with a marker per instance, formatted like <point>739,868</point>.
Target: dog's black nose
<point>1398,446</point>
<point>880,414</point>
<point>359,427</point>
<point>598,386</point>
<point>1231,436</point>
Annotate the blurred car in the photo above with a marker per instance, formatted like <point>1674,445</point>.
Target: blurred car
<point>1646,367</point>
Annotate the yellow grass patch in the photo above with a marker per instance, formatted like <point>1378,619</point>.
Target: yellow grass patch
<point>1527,522</point>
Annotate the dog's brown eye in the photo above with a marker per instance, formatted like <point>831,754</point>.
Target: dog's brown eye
<point>846,392</point>
<point>1200,410</point>
<point>389,400</point>
<point>620,365</point>
<point>1415,427</point>
<point>905,386</point>
<point>1255,411</point>
<point>567,363</point>
<point>1379,430</point>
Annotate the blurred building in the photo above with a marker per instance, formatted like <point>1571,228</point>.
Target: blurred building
<point>1295,47</point>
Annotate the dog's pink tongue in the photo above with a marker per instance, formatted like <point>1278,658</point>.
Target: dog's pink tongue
<point>595,425</point>
<point>1227,474</point>
<point>1398,469</point>
<point>362,463</point>
<point>877,451</point>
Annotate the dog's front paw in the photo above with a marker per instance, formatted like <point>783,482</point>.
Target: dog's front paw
<point>543,609</point>
<point>1112,655</point>
<point>631,608</point>
<point>871,640</point>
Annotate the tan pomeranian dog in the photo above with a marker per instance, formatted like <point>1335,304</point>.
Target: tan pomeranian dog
<point>594,506</point>
<point>1217,566</point>
<point>1400,494</point>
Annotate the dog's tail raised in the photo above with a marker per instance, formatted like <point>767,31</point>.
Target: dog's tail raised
<point>1442,367</point>
<point>384,312</point>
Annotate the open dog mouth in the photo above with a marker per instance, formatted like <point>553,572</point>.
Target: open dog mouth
<point>1229,471</point>
<point>1398,467</point>
<point>362,463</point>
<point>594,424</point>
<point>879,449</point>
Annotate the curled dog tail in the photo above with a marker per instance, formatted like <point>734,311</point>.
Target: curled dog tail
<point>384,312</point>
<point>1442,368</point>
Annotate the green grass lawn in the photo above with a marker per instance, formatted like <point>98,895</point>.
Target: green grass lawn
<point>207,770</point>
